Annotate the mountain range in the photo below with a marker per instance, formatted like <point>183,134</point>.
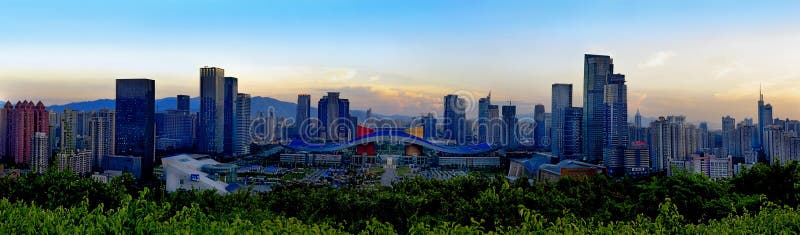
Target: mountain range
<point>258,105</point>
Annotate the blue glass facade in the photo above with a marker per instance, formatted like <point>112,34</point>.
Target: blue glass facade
<point>573,117</point>
<point>510,126</point>
<point>183,102</point>
<point>302,115</point>
<point>483,118</point>
<point>539,128</point>
<point>231,90</point>
<point>135,121</point>
<point>336,124</point>
<point>129,164</point>
<point>562,100</point>
<point>616,124</point>
<point>595,72</point>
<point>454,119</point>
<point>211,116</point>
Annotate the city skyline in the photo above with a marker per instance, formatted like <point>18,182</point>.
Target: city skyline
<point>715,58</point>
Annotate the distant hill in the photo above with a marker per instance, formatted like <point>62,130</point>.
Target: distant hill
<point>258,104</point>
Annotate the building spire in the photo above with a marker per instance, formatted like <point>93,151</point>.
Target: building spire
<point>760,93</point>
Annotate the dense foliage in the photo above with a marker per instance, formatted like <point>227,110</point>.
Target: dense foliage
<point>762,200</point>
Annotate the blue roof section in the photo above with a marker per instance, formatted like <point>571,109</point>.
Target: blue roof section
<point>271,169</point>
<point>232,187</point>
<point>397,136</point>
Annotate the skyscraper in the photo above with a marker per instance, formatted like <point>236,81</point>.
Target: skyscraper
<point>212,110</point>
<point>571,143</point>
<point>772,143</point>
<point>82,130</point>
<point>539,128</point>
<point>596,69</point>
<point>55,128</point>
<point>616,123</point>
<point>660,144</point>
<point>303,115</point>
<point>183,103</point>
<point>495,125</point>
<point>764,119</point>
<point>242,141</point>
<point>510,125</point>
<point>336,124</point>
<point>39,152</point>
<point>454,118</point>
<point>102,136</point>
<point>22,121</point>
<point>135,121</point>
<point>745,135</point>
<point>429,123</point>
<point>483,116</point>
<point>562,99</point>
<point>704,137</point>
<point>231,90</point>
<point>729,140</point>
<point>69,132</point>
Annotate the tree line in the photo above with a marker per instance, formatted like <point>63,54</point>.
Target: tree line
<point>765,195</point>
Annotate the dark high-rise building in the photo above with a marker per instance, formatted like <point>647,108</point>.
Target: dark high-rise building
<point>429,125</point>
<point>212,110</point>
<point>454,118</point>
<point>596,69</point>
<point>704,137</point>
<point>729,140</point>
<point>178,128</point>
<point>243,140</point>
<point>572,133</point>
<point>510,125</point>
<point>336,124</point>
<point>495,124</point>
<point>539,126</point>
<point>745,135</point>
<point>231,89</point>
<point>562,100</point>
<point>183,103</point>
<point>764,120</point>
<point>303,115</point>
<point>483,116</point>
<point>135,121</point>
<point>23,120</point>
<point>616,124</point>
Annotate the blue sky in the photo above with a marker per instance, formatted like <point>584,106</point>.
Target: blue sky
<point>403,56</point>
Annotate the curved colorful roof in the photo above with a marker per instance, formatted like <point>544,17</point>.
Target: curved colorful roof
<point>389,135</point>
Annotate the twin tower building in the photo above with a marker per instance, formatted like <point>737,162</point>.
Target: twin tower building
<point>598,131</point>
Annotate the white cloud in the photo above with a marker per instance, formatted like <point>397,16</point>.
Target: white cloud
<point>658,59</point>
<point>340,74</point>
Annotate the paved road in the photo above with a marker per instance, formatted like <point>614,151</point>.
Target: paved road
<point>389,176</point>
<point>389,172</point>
